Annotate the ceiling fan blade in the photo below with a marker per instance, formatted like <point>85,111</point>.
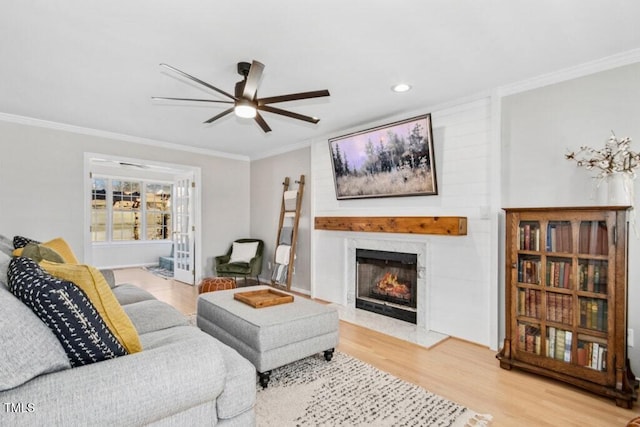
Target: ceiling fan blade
<point>162,98</point>
<point>197,80</point>
<point>288,114</point>
<point>293,97</point>
<point>253,79</point>
<point>260,120</point>
<point>224,113</point>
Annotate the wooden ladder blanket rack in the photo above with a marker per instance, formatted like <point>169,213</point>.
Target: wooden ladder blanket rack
<point>285,253</point>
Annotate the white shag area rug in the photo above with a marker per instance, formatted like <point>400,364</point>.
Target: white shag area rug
<point>349,392</point>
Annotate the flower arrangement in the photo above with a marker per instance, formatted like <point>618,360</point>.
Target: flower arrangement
<point>614,158</point>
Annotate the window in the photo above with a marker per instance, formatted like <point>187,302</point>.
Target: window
<point>99,210</point>
<point>158,202</point>
<point>128,210</point>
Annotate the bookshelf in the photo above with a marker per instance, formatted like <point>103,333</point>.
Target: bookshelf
<point>566,297</point>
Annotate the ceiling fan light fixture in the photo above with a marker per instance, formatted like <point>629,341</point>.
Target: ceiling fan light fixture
<point>245,110</point>
<point>401,87</point>
<point>245,102</point>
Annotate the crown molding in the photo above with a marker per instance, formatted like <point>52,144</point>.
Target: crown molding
<point>29,121</point>
<point>570,73</point>
<point>291,147</point>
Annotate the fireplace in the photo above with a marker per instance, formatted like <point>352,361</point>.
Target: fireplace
<point>386,283</point>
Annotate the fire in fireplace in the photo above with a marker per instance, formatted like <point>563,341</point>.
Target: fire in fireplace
<point>386,283</point>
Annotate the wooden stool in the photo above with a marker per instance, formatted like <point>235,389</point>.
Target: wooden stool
<point>210,284</point>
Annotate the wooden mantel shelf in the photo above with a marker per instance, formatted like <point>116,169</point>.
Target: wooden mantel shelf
<point>443,225</point>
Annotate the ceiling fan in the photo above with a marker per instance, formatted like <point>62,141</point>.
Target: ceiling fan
<point>246,103</point>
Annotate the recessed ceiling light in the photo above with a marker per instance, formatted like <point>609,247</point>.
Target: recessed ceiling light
<point>400,87</point>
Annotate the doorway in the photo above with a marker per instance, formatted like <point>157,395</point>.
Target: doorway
<point>143,249</point>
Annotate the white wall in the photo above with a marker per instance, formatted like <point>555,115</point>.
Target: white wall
<point>538,128</point>
<point>42,182</point>
<point>459,286</point>
<point>128,254</point>
<point>267,176</point>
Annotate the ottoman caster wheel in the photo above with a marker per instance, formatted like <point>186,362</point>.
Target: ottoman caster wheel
<point>264,378</point>
<point>328,354</point>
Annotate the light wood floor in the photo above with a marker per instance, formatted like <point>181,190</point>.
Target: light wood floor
<point>460,371</point>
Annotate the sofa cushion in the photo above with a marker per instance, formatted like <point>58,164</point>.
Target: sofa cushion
<point>66,309</point>
<point>29,348</point>
<point>4,266</point>
<point>38,252</point>
<point>154,315</point>
<point>239,394</point>
<point>91,281</point>
<point>6,245</point>
<point>130,294</point>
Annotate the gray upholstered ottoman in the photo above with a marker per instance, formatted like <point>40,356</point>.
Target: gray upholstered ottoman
<point>269,337</point>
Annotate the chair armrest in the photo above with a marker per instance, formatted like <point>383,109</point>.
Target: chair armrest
<point>222,259</point>
<point>256,265</point>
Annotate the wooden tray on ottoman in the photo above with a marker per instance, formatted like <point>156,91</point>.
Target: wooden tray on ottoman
<point>263,298</point>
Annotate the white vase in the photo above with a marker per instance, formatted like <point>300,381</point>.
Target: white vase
<point>616,190</point>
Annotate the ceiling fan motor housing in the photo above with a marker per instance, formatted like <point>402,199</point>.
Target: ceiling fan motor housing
<point>243,68</point>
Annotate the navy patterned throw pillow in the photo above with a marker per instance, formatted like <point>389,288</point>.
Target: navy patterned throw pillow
<point>21,241</point>
<point>65,308</point>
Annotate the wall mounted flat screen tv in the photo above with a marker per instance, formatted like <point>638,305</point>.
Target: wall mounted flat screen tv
<point>391,160</point>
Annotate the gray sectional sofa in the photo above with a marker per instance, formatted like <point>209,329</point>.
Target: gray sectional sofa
<point>182,377</point>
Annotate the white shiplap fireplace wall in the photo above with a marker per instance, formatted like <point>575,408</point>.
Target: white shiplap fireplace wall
<point>458,288</point>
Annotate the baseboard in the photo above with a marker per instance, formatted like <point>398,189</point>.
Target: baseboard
<point>119,267</point>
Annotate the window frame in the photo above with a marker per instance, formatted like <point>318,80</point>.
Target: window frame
<point>142,211</point>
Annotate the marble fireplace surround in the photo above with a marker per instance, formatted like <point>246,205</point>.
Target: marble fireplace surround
<point>418,333</point>
<point>403,225</point>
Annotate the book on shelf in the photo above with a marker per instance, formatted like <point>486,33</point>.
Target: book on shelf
<point>593,238</point>
<point>596,356</point>
<point>529,338</point>
<point>600,277</point>
<point>593,313</point>
<point>592,352</point>
<point>559,237</point>
<point>529,237</point>
<point>560,344</point>
<point>592,276</point>
<point>582,356</point>
<point>568,337</point>
<point>558,274</point>
<point>551,346</point>
<point>529,301</point>
<point>559,308</point>
<point>529,271</point>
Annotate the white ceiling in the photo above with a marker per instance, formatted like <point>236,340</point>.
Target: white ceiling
<point>95,64</point>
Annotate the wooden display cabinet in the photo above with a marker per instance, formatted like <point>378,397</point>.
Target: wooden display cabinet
<point>566,297</point>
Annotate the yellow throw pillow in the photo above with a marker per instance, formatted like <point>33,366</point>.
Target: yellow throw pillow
<point>93,283</point>
<point>60,246</point>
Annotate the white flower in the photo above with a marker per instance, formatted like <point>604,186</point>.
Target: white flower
<point>615,157</point>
